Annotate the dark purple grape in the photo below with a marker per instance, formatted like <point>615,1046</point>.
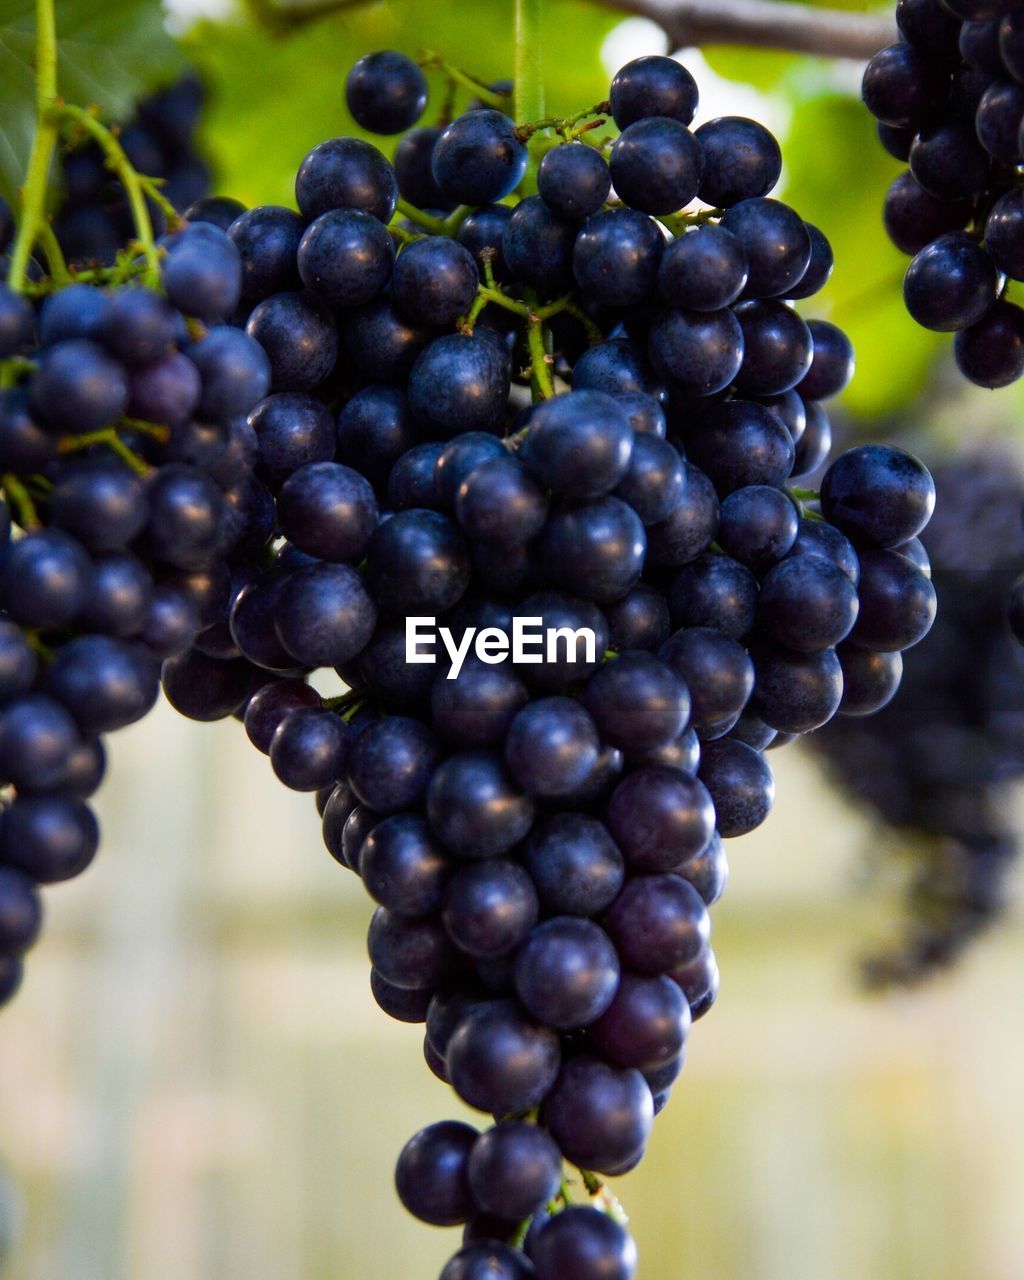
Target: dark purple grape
<point>600,1115</point>
<point>432,1176</point>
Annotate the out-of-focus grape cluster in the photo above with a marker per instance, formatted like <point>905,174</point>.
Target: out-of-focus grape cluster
<point>940,765</point>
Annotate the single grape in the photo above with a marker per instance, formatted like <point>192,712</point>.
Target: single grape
<point>660,818</point>
<point>902,86</point>
<point>951,283</point>
<point>573,181</point>
<point>490,908</point>
<point>795,692</point>
<point>386,92</point>
<point>870,679</point>
<point>600,1116</point>
<point>323,616</point>
<point>657,923</point>
<point>475,807</point>
<point>412,954</point>
<point>267,239</point>
<point>479,158</point>
<point>656,165</point>
<point>714,591</point>
<point>575,864</point>
<point>309,748</point>
<point>653,86</point>
<point>345,257</point>
<point>879,494</point>
<point>537,245</point>
<point>566,972</point>
<point>500,1060</point>
<point>740,784</point>
<point>703,270</point>
<point>578,444</point>
<point>758,525</point>
<point>435,280</point>
<point>700,351</point>
<point>49,838</point>
<point>718,673</point>
<point>345,173</point>
<point>742,161</point>
<point>615,262</point>
<point>459,383</point>
<point>645,1026</point>
<point>990,352</point>
<point>432,1176</point>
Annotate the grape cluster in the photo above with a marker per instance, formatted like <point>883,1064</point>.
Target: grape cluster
<point>583,409</point>
<point>937,765</point>
<point>127,472</point>
<point>94,221</point>
<point>949,98</point>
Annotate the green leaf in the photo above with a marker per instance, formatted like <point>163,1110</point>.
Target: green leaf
<point>111,53</point>
<point>837,174</point>
<point>275,95</point>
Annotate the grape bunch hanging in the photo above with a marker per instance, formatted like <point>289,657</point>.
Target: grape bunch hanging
<point>949,98</point>
<point>258,447</point>
<point>94,221</point>
<point>938,764</point>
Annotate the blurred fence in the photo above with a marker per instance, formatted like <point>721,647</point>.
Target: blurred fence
<point>196,1085</point>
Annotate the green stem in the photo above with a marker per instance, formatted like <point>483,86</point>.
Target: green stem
<point>21,501</point>
<point>50,246</point>
<point>567,126</point>
<point>456,218</point>
<point>157,430</point>
<point>434,62</point>
<point>427,221</point>
<point>468,321</point>
<point>402,236</point>
<point>37,646</point>
<point>678,223</point>
<point>44,142</point>
<point>592,330</point>
<point>591,1181</point>
<point>523,1230</point>
<point>109,437</point>
<point>118,161</point>
<point>503,300</point>
<point>529,62</point>
<point>540,360</point>
<point>13,366</point>
<point>151,187</point>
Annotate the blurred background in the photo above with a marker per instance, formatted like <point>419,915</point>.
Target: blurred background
<point>195,1083</point>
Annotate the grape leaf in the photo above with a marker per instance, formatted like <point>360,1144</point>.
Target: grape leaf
<point>274,95</point>
<point>110,53</point>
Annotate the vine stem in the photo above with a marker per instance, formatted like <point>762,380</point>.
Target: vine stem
<point>433,61</point>
<point>109,437</point>
<point>766,24</point>
<point>436,226</point>
<point>540,360</point>
<point>529,61</point>
<point>118,161</point>
<point>44,142</point>
<point>21,501</point>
